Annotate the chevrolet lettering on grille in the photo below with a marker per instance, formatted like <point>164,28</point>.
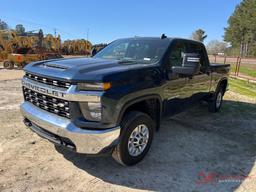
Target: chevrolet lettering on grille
<point>43,89</point>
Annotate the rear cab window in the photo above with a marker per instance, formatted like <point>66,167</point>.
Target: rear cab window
<point>180,47</point>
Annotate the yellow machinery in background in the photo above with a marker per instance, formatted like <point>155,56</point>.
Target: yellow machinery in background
<point>52,43</point>
<point>20,60</point>
<point>6,43</point>
<point>76,47</point>
<point>20,49</point>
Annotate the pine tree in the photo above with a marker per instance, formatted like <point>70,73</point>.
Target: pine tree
<point>241,30</point>
<point>3,25</point>
<point>199,35</point>
<point>20,29</point>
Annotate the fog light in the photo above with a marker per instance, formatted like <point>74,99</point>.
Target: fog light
<point>96,116</point>
<point>95,110</point>
<point>91,111</point>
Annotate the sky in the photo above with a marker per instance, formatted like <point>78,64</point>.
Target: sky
<point>105,21</point>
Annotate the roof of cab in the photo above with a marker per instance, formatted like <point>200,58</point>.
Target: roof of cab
<point>159,38</point>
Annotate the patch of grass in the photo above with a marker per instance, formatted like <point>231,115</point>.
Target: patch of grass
<point>242,87</point>
<point>249,71</point>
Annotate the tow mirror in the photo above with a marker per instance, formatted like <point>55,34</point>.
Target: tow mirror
<point>190,64</point>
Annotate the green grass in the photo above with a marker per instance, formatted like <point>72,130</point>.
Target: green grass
<point>249,71</point>
<point>242,87</point>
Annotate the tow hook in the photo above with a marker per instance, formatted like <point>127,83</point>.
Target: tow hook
<point>27,122</point>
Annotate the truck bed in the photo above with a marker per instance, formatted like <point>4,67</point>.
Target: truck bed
<point>220,68</point>
<point>217,65</point>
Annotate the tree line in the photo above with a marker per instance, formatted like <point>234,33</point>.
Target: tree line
<point>241,29</point>
<point>240,34</point>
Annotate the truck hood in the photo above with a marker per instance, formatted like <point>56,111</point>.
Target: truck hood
<point>80,69</point>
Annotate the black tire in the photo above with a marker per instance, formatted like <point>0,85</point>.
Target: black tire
<point>8,65</point>
<point>215,103</point>
<point>130,121</point>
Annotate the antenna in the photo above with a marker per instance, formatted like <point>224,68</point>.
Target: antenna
<point>55,32</point>
<point>88,34</point>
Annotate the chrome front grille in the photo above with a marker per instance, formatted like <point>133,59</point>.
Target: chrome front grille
<point>48,81</point>
<point>51,104</point>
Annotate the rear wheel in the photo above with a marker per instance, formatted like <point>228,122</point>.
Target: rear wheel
<point>214,105</point>
<point>8,65</point>
<point>136,138</point>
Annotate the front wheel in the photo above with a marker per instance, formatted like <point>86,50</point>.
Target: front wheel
<point>136,138</point>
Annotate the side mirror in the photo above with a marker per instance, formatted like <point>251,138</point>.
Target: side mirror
<point>190,64</point>
<point>94,52</point>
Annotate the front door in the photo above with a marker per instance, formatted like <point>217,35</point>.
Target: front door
<point>200,83</point>
<point>176,90</point>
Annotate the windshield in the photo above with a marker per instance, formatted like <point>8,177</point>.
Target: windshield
<point>135,50</point>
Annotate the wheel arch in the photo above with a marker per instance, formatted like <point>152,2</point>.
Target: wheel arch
<point>149,104</point>
<point>223,83</point>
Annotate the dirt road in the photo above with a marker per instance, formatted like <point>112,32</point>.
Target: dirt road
<point>189,146</point>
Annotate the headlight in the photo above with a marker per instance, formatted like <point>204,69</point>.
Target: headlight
<point>93,86</point>
<point>91,111</point>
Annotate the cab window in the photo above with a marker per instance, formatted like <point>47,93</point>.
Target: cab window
<point>180,47</point>
<point>176,54</point>
<point>196,48</point>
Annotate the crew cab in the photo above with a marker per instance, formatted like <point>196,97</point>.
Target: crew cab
<point>114,102</point>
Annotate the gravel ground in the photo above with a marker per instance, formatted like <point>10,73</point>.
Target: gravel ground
<point>193,151</point>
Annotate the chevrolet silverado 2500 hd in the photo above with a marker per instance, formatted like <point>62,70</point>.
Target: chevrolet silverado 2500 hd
<point>114,102</point>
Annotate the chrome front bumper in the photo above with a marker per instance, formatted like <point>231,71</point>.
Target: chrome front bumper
<point>85,141</point>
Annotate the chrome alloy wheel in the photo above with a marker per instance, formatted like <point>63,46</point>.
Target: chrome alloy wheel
<point>138,140</point>
<point>219,100</point>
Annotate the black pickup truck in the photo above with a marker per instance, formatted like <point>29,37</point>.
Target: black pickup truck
<point>114,102</point>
